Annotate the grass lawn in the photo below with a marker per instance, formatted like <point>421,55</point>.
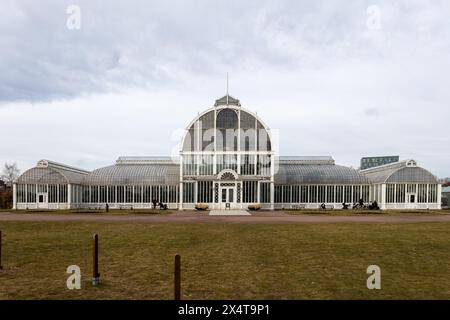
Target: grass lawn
<point>227,261</point>
<point>357,212</point>
<point>93,211</point>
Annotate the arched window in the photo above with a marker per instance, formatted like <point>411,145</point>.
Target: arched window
<point>227,176</point>
<point>248,132</point>
<point>227,125</point>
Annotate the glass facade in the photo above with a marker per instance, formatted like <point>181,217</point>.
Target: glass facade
<point>318,194</point>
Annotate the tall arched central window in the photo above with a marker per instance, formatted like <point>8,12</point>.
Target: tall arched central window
<point>227,130</point>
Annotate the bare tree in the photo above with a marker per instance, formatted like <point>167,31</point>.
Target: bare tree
<point>10,173</point>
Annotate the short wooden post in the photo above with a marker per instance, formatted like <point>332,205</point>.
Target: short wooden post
<point>1,267</point>
<point>95,273</point>
<point>177,277</point>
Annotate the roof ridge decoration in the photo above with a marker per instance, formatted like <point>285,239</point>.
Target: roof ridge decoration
<point>147,160</point>
<point>227,100</point>
<point>393,165</point>
<point>306,160</point>
<point>56,165</point>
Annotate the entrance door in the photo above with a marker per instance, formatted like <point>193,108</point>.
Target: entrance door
<point>227,197</point>
<point>411,200</point>
<point>42,202</point>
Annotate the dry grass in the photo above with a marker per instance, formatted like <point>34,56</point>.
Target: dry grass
<point>94,211</point>
<point>323,261</point>
<point>356,212</point>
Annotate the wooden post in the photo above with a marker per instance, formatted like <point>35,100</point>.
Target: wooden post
<point>177,277</point>
<point>1,267</point>
<point>95,273</point>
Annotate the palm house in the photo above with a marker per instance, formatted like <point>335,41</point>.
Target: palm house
<point>227,160</point>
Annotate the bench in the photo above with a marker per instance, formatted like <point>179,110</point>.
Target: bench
<point>126,206</point>
<point>162,206</point>
<point>97,207</point>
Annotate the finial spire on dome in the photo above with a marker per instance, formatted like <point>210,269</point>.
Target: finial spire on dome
<point>227,88</point>
<point>227,99</point>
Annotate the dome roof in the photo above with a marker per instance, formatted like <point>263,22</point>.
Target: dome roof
<point>49,172</point>
<point>405,171</point>
<point>135,174</point>
<point>318,174</point>
<point>220,127</point>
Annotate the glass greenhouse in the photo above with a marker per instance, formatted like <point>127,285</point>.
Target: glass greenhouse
<point>226,161</point>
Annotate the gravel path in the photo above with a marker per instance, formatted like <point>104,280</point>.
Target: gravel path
<point>191,217</point>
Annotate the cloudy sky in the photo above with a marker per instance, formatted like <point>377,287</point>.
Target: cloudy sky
<point>341,78</point>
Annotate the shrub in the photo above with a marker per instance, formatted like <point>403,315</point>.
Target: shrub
<point>254,206</point>
<point>201,206</point>
<point>6,198</point>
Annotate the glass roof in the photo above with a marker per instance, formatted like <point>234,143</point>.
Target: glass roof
<point>135,174</point>
<point>318,174</point>
<point>165,171</point>
<point>402,175</point>
<point>400,172</point>
<point>49,175</point>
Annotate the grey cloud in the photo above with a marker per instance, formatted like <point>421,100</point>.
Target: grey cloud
<point>147,44</point>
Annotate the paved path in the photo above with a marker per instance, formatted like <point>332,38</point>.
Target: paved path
<point>229,213</point>
<point>192,217</point>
